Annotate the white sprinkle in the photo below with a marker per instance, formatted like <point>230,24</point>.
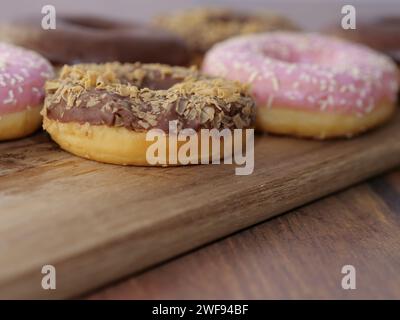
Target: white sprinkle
<point>270,100</point>
<point>311,99</point>
<point>291,95</point>
<point>236,65</point>
<point>305,77</point>
<point>363,93</point>
<point>10,98</point>
<point>330,101</point>
<point>370,107</point>
<point>323,105</point>
<point>19,77</point>
<point>290,69</point>
<point>25,72</point>
<point>45,74</point>
<point>253,76</point>
<point>36,91</point>
<point>275,83</point>
<point>393,85</point>
<point>355,72</point>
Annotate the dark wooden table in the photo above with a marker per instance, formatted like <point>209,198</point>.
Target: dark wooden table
<point>296,255</point>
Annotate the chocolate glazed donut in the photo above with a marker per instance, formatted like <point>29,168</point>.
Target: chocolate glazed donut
<point>104,112</point>
<point>79,39</point>
<point>382,34</point>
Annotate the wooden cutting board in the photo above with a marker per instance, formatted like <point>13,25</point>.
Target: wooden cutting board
<point>96,223</point>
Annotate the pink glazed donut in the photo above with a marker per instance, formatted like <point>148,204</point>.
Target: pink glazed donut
<point>309,85</point>
<point>22,77</point>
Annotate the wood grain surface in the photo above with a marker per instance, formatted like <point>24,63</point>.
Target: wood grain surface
<point>298,255</point>
<point>96,223</point>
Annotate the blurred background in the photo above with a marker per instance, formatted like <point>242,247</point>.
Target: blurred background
<point>265,261</point>
<point>310,14</point>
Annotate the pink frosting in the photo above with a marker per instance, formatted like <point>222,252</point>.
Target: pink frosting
<point>306,71</point>
<point>22,77</point>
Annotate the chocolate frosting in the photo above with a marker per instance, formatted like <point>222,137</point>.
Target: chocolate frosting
<point>140,97</point>
<point>78,39</point>
<point>382,34</point>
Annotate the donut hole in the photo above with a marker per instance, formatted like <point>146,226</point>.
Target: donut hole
<point>228,17</point>
<point>157,82</point>
<point>288,53</point>
<point>92,23</point>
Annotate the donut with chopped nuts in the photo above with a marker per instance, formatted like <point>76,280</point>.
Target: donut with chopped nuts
<point>103,112</point>
<point>309,85</point>
<point>201,28</point>
<point>91,39</point>
<point>22,77</point>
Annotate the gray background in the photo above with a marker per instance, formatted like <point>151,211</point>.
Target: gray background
<point>311,14</point>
